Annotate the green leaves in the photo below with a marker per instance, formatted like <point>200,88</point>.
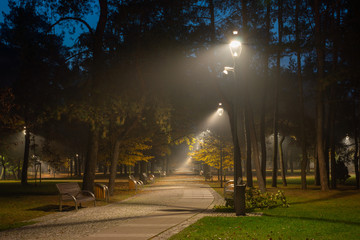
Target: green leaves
<point>254,198</point>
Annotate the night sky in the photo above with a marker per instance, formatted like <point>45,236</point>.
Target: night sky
<point>69,40</point>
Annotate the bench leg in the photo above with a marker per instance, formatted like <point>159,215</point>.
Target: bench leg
<point>60,204</point>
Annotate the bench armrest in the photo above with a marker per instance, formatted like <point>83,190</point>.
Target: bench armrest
<point>68,194</point>
<point>88,192</point>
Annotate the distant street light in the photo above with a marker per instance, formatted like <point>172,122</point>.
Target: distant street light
<point>227,69</point>
<point>347,140</point>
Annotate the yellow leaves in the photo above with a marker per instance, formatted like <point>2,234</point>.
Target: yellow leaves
<point>104,134</point>
<point>120,120</point>
<point>134,150</point>
<point>212,150</point>
<point>58,116</point>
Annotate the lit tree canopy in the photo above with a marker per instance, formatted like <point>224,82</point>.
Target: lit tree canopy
<point>209,149</point>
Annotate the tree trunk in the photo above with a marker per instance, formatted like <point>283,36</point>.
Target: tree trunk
<point>333,105</point>
<point>282,161</point>
<point>259,177</point>
<point>249,177</point>
<point>317,172</point>
<point>3,172</point>
<point>113,166</point>
<point>332,147</point>
<point>304,159</point>
<point>76,166</point>
<point>320,101</point>
<point>97,69</point>
<point>136,169</point>
<point>291,158</point>
<point>143,169</point>
<point>276,93</point>
<point>24,170</point>
<point>356,154</point>
<point>265,89</point>
<point>126,170</point>
<point>91,160</point>
<point>167,164</point>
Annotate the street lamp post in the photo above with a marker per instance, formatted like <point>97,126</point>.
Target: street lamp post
<point>220,112</point>
<point>239,188</point>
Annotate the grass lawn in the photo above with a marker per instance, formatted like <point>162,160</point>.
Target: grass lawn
<point>312,215</point>
<point>20,204</point>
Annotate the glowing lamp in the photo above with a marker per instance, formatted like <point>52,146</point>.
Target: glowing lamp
<point>220,110</point>
<point>235,44</point>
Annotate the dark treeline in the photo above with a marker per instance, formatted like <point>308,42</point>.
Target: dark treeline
<point>148,72</point>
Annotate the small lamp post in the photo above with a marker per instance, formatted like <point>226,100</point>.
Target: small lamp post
<point>220,112</point>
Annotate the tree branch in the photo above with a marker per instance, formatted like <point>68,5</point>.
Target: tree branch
<point>75,55</point>
<point>73,18</point>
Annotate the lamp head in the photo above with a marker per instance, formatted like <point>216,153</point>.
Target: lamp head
<point>220,110</point>
<point>235,47</point>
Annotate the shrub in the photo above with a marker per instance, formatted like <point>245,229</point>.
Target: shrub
<point>341,172</point>
<point>255,199</point>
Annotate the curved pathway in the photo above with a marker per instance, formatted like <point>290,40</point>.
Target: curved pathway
<point>152,214</point>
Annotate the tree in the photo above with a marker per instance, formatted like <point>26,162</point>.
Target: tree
<point>301,94</point>
<point>67,11</point>
<point>209,151</point>
<point>276,92</point>
<point>40,57</point>
<point>265,88</point>
<point>319,45</point>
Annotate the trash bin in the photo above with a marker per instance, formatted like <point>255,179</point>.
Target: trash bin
<point>132,184</point>
<point>239,200</point>
<point>101,192</point>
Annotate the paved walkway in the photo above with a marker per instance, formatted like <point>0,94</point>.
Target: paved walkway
<point>157,213</point>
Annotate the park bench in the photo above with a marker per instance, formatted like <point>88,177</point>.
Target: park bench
<point>148,179</point>
<point>229,191</point>
<point>72,192</point>
<point>134,184</point>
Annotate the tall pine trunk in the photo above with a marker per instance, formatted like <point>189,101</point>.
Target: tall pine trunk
<point>356,154</point>
<point>97,67</point>
<point>320,98</point>
<point>249,177</point>
<point>282,161</point>
<point>276,94</point>
<point>265,89</point>
<point>91,160</point>
<point>260,179</point>
<point>304,158</point>
<point>332,147</point>
<point>113,166</point>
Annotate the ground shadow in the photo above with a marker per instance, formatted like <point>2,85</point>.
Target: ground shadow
<point>54,208</point>
<point>338,195</point>
<point>314,219</point>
